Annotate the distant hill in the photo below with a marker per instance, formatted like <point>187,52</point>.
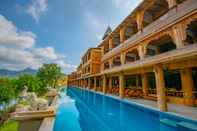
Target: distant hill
<point>5,72</point>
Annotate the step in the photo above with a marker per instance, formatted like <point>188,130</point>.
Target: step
<point>187,126</point>
<point>169,122</point>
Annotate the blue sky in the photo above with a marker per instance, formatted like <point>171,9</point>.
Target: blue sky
<point>33,32</point>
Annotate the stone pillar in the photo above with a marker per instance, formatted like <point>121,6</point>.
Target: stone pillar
<point>187,86</point>
<point>122,58</point>
<point>121,86</point>
<point>171,3</point>
<point>139,20</point>
<point>145,85</point>
<point>104,84</point>
<point>122,35</point>
<point>110,43</point>
<point>160,85</point>
<point>95,83</point>
<point>179,35</point>
<point>110,84</point>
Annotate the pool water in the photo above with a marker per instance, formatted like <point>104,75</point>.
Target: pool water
<point>82,110</point>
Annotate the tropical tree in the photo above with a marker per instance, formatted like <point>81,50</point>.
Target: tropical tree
<point>49,74</point>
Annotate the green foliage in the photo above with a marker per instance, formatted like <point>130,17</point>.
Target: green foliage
<point>9,126</point>
<point>49,74</point>
<point>7,90</point>
<point>33,83</point>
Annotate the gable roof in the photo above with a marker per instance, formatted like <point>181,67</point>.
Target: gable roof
<point>107,32</point>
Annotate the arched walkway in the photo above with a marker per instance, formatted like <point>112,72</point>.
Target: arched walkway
<point>161,45</point>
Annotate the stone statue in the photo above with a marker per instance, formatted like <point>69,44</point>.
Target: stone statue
<point>36,103</point>
<point>24,92</point>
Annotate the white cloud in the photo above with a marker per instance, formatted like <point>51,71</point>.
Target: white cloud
<point>11,37</point>
<point>37,8</point>
<point>18,51</point>
<point>47,52</point>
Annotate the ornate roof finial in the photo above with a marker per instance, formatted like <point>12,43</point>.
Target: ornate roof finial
<point>107,32</point>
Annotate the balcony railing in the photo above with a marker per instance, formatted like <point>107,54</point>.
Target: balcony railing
<point>175,93</point>
<point>187,51</point>
<point>152,91</point>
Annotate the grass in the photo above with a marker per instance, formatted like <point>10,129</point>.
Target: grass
<point>9,125</point>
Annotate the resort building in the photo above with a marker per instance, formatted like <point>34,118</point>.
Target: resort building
<point>90,65</point>
<point>151,54</point>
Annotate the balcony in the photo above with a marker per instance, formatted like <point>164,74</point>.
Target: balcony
<point>183,53</point>
<point>164,22</point>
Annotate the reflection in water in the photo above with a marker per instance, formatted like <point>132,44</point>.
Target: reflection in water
<point>82,110</point>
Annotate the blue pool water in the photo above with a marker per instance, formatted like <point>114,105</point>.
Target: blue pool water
<point>82,110</point>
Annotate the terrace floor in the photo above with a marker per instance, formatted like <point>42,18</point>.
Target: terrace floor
<point>186,111</point>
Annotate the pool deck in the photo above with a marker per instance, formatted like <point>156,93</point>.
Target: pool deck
<point>186,111</point>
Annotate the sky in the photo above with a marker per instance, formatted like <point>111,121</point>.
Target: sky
<point>33,32</point>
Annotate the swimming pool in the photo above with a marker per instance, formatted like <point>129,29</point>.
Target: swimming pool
<point>82,110</point>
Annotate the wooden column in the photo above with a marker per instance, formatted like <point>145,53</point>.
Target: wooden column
<point>171,3</point>
<point>86,83</point>
<point>187,86</point>
<point>95,83</point>
<point>160,85</point>
<point>104,84</point>
<point>110,43</point>
<point>110,84</point>
<point>110,63</point>
<point>122,35</point>
<point>83,82</point>
<point>145,85</point>
<point>102,67</point>
<point>179,35</point>
<point>121,86</point>
<point>139,20</point>
<point>89,83</point>
<point>102,50</point>
<point>141,51</point>
<point>122,58</point>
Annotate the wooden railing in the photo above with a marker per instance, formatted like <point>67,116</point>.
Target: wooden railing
<point>195,94</point>
<point>175,93</point>
<point>152,91</point>
<point>172,93</point>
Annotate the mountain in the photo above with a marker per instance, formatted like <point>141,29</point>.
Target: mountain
<point>5,72</point>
